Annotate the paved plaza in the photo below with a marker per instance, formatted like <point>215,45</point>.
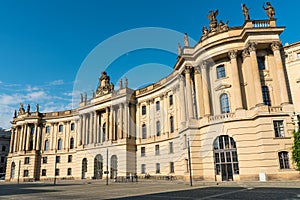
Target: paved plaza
<point>150,190</point>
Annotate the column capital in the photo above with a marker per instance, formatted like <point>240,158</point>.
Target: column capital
<point>276,45</point>
<point>204,64</point>
<point>245,53</point>
<point>197,69</point>
<point>232,54</point>
<point>188,69</point>
<point>251,46</point>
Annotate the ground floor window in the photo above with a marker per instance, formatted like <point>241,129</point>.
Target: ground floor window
<point>44,172</point>
<point>26,173</point>
<point>157,168</point>
<point>143,169</point>
<point>69,171</point>
<point>284,160</point>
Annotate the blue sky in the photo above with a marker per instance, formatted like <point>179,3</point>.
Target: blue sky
<point>44,43</point>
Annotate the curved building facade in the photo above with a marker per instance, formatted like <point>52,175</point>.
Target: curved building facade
<point>231,99</point>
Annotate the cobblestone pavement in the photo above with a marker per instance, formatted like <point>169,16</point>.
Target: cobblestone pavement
<point>94,189</point>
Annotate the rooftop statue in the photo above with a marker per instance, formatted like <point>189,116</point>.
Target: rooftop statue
<point>21,109</point>
<point>104,86</point>
<point>270,11</point>
<point>245,12</point>
<point>213,24</point>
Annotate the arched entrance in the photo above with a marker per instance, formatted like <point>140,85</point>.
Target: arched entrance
<point>98,167</point>
<point>113,166</point>
<point>84,168</point>
<point>12,171</point>
<point>226,160</point>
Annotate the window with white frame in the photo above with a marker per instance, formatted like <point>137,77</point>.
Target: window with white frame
<point>284,160</point>
<point>224,103</point>
<point>157,149</point>
<point>144,131</point>
<point>221,71</point>
<point>278,128</point>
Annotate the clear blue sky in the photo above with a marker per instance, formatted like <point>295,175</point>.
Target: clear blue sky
<point>43,43</point>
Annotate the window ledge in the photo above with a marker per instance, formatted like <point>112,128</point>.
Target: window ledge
<point>283,138</point>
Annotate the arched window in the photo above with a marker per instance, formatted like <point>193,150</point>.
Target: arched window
<point>60,128</point>
<point>144,131</point>
<point>72,143</point>
<point>157,128</point>
<point>98,167</point>
<point>59,144</point>
<point>84,168</point>
<point>226,159</point>
<point>46,148</point>
<point>224,103</point>
<point>284,160</point>
<point>171,100</point>
<point>73,127</point>
<point>172,124</point>
<point>221,71</point>
<point>266,95</point>
<point>103,131</point>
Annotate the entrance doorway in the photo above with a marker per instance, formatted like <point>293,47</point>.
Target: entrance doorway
<point>225,156</point>
<point>98,167</point>
<point>84,168</point>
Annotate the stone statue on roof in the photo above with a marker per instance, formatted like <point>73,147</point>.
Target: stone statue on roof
<point>245,12</point>
<point>21,109</point>
<point>104,86</point>
<point>213,24</point>
<point>270,11</point>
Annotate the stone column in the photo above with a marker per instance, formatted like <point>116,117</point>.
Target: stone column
<point>21,139</point>
<point>199,92</point>
<point>189,92</point>
<point>16,139</point>
<point>126,122</point>
<point>132,121</point>
<point>111,124</point>
<point>236,86</point>
<point>34,137</point>
<point>276,46</point>
<point>255,72</point>
<point>27,138</point>
<point>248,79</point>
<point>12,140</point>
<point>66,135</point>
<point>121,107</point>
<point>78,124</point>
<point>54,136</point>
<point>94,140</point>
<point>91,118</point>
<point>38,138</point>
<point>181,98</point>
<point>206,101</point>
<point>83,133</point>
<point>107,124</point>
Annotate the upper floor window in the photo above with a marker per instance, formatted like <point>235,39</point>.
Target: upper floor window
<point>171,100</point>
<point>72,127</point>
<point>144,131</point>
<point>47,129</point>
<point>143,151</point>
<point>171,150</point>
<point>221,71</point>
<point>44,172</point>
<point>284,160</point>
<point>26,161</point>
<point>70,158</point>
<point>143,110</point>
<point>158,128</point>
<point>261,63</point>
<point>59,144</point>
<point>266,95</point>
<point>46,145</point>
<point>278,128</point>
<point>44,160</point>
<point>3,159</point>
<point>3,148</point>
<point>224,103</point>
<point>57,159</point>
<point>298,55</point>
<point>157,105</point>
<point>32,130</point>
<point>157,149</point>
<point>60,128</point>
<point>172,124</point>
<point>72,143</point>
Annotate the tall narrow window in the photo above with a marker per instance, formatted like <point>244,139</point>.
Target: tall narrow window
<point>59,144</point>
<point>46,145</point>
<point>157,168</point>
<point>171,150</point>
<point>103,131</point>
<point>224,103</point>
<point>57,159</point>
<point>144,131</point>
<point>157,105</point>
<point>60,128</point>
<point>172,124</point>
<point>171,100</point>
<point>221,71</point>
<point>278,128</point>
<point>266,95</point>
<point>261,63</point>
<point>143,110</point>
<point>44,172</point>
<point>157,149</point>
<point>158,128</point>
<point>26,173</point>
<point>143,169</point>
<point>47,129</point>
<point>143,151</point>
<point>284,160</point>
<point>72,143</point>
<point>72,127</point>
<point>69,172</point>
<point>171,167</point>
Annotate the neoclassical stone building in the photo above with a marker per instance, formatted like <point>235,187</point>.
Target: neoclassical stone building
<point>233,98</point>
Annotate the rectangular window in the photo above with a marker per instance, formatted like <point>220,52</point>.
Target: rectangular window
<point>3,148</point>
<point>72,127</point>
<point>284,160</point>
<point>157,105</point>
<point>44,160</point>
<point>143,151</point>
<point>56,172</point>
<point>69,158</point>
<point>184,141</point>
<point>47,129</point>
<point>57,159</point>
<point>44,172</point>
<point>2,159</point>
<point>171,100</point>
<point>171,150</point>
<point>266,95</point>
<point>60,128</point>
<point>69,171</point>
<point>278,128</point>
<point>298,55</point>
<point>261,63</point>
<point>157,149</point>
<point>157,168</point>
<point>221,71</point>
<point>26,173</point>
<point>171,167</point>
<point>143,169</point>
<point>26,161</point>
<point>158,128</point>
<point>186,163</point>
<point>143,110</point>
<point>144,131</point>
